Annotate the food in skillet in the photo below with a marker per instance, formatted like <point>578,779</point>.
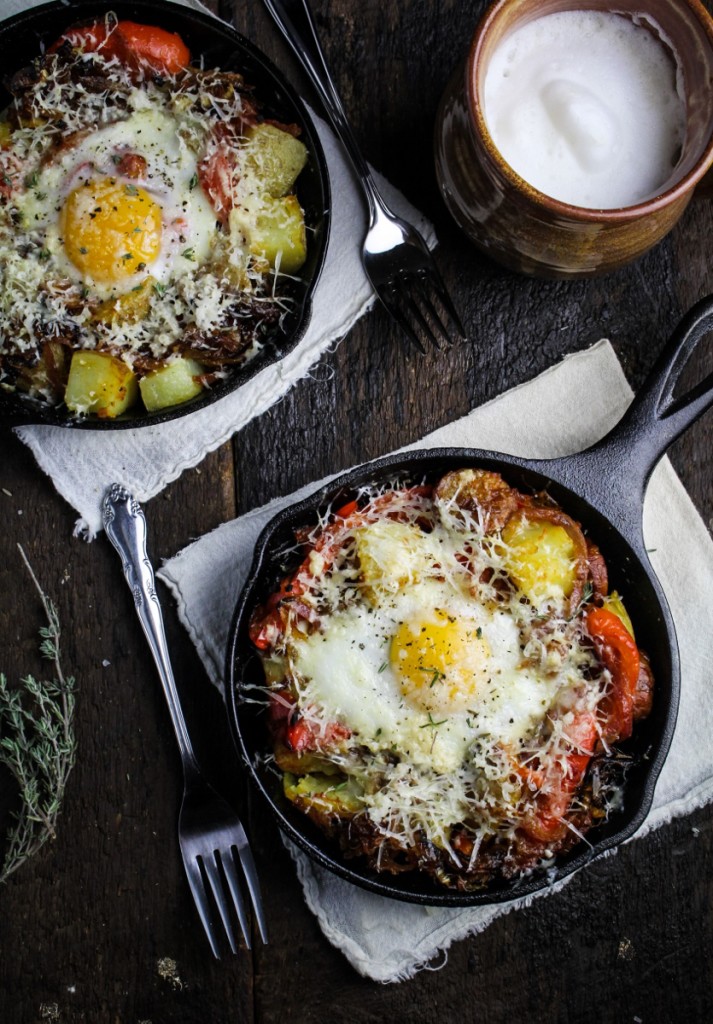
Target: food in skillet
<point>447,677</point>
<point>147,222</point>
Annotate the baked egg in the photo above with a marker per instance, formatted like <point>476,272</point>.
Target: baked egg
<point>148,223</point>
<point>109,231</point>
<point>447,675</point>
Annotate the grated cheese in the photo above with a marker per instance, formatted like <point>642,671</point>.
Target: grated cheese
<point>37,301</point>
<point>490,792</point>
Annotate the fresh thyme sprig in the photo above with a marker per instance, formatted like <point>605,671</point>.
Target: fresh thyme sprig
<point>37,743</point>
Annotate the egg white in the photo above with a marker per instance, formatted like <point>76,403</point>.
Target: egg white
<point>344,669</point>
<point>171,179</point>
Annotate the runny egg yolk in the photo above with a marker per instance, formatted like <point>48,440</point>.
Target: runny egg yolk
<point>111,230</point>
<point>440,662</point>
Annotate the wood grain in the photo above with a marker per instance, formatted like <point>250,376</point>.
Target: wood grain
<point>85,927</point>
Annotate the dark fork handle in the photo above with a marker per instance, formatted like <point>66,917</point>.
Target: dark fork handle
<point>295,20</point>
<point>125,526</point>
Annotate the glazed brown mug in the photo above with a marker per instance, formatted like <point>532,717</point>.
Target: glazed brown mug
<point>531,232</point>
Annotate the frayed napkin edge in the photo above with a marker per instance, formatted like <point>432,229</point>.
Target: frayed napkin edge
<point>83,529</point>
<point>272,507</point>
<point>89,524</point>
<point>440,940</point>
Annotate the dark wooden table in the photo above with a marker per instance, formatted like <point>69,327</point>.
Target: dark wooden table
<point>84,927</point>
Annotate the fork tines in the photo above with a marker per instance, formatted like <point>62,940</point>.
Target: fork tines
<point>215,885</point>
<point>421,305</point>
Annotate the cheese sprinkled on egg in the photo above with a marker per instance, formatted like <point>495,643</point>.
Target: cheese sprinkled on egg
<point>420,663</point>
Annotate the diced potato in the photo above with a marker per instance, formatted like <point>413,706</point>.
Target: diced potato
<point>541,558</point>
<point>274,229</point>
<point>100,384</point>
<point>275,668</point>
<point>128,308</point>
<point>273,159</point>
<point>614,604</point>
<point>173,383</point>
<point>390,554</point>
<point>322,794</point>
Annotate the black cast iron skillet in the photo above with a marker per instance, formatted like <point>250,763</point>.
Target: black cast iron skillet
<point>23,37</point>
<point>603,488</point>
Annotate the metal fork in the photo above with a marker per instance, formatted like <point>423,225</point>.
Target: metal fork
<point>395,257</point>
<point>210,835</point>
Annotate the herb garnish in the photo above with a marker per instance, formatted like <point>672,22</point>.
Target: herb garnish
<point>430,724</point>
<point>437,674</point>
<point>38,745</point>
<point>587,592</point>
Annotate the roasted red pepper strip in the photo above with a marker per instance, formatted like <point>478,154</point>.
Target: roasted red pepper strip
<point>135,45</point>
<point>547,823</point>
<point>218,168</point>
<point>299,734</point>
<point>268,622</point>
<point>618,653</point>
<point>264,630</point>
<point>85,37</point>
<point>346,510</point>
<point>302,735</point>
<point>163,51</point>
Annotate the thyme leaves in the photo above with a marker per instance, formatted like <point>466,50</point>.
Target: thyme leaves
<point>37,743</point>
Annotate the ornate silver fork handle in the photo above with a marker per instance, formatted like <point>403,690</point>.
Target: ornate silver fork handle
<point>125,526</point>
<point>213,843</point>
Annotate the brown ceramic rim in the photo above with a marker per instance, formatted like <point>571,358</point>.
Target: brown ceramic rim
<point>556,206</point>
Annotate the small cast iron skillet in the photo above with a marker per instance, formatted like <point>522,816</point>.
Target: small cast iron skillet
<point>23,37</point>
<point>603,488</point>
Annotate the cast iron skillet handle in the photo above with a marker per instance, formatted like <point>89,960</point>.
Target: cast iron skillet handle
<point>613,474</point>
<point>295,20</point>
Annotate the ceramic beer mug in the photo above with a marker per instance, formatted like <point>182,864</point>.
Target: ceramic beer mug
<point>567,147</point>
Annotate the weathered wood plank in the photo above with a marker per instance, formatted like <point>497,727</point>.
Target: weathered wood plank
<point>85,925</point>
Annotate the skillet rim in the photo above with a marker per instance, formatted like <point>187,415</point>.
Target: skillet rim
<point>294,828</point>
<point>17,409</point>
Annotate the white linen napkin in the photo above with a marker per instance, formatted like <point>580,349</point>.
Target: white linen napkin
<point>82,463</point>
<point>390,941</point>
